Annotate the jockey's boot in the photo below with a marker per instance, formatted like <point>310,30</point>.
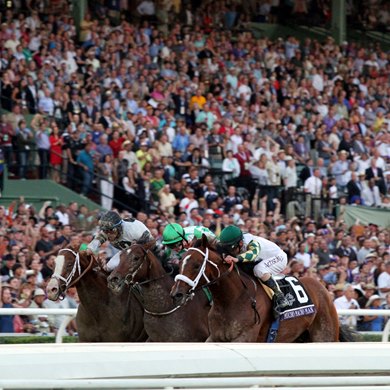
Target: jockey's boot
<point>280,301</point>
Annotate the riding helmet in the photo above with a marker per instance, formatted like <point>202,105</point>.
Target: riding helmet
<point>173,233</point>
<point>110,220</point>
<point>230,236</point>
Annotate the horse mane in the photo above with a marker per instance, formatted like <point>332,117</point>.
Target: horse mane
<point>205,243</point>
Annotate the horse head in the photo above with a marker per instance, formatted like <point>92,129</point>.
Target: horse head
<point>132,267</point>
<point>70,267</point>
<point>200,262</point>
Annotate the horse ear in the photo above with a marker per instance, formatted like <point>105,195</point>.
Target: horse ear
<point>204,241</point>
<point>149,245</point>
<point>63,245</point>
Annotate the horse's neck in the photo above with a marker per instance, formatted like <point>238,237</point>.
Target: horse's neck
<point>156,292</point>
<point>230,288</point>
<point>92,288</point>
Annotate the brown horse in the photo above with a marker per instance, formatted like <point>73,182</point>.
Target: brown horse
<point>242,311</point>
<point>101,316</point>
<point>163,321</point>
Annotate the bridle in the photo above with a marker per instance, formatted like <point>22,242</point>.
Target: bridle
<point>136,288</point>
<point>76,268</point>
<point>194,283</point>
<point>130,276</point>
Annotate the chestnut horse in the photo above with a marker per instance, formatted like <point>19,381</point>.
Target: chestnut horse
<point>163,321</point>
<point>101,316</point>
<point>242,311</point>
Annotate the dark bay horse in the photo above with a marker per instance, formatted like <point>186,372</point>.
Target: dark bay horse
<point>163,321</point>
<point>241,311</point>
<point>101,316</point>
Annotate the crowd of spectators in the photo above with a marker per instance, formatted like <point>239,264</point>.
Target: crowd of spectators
<point>198,124</point>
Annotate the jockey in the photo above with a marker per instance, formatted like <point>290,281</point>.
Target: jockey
<point>177,240</point>
<point>244,247</point>
<point>120,233</point>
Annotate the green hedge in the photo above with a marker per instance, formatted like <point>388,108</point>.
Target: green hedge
<point>73,339</point>
<point>36,339</point>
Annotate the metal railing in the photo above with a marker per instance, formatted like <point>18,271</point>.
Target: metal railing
<point>94,191</point>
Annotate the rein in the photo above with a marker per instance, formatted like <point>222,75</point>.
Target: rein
<point>136,288</point>
<point>130,277</point>
<point>253,300</point>
<point>219,277</point>
<point>165,313</point>
<point>194,283</point>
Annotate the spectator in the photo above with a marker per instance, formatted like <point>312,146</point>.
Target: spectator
<point>107,179</point>
<point>6,321</point>
<point>370,194</point>
<point>86,163</point>
<point>24,143</point>
<point>384,280</point>
<point>346,301</point>
<point>188,202</point>
<point>230,165</point>
<point>374,323</point>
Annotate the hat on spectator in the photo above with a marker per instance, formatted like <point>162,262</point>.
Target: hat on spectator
<point>371,255</point>
<point>339,287</point>
<point>7,285</point>
<point>209,212</point>
<point>9,257</point>
<point>288,158</point>
<point>359,291</point>
<point>343,152</point>
<point>370,286</point>
<point>127,142</point>
<point>39,292</point>
<point>372,299</point>
<point>50,228</point>
<point>323,266</point>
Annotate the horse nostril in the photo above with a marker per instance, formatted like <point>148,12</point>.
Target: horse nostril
<point>54,290</point>
<point>178,296</point>
<point>113,280</point>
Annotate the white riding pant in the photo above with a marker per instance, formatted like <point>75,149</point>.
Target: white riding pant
<point>114,262</point>
<point>274,265</point>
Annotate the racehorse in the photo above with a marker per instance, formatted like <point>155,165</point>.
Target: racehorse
<point>241,310</point>
<point>101,316</point>
<point>163,321</point>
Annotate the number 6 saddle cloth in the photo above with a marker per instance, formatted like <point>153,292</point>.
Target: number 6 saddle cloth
<point>299,300</point>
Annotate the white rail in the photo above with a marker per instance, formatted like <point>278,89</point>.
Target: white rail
<point>196,365</point>
<point>71,313</point>
<point>192,383</point>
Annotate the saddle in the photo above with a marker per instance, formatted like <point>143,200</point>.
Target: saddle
<point>300,304</point>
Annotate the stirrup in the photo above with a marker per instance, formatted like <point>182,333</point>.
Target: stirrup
<point>282,302</point>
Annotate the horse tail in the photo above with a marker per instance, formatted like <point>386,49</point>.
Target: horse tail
<point>347,335</point>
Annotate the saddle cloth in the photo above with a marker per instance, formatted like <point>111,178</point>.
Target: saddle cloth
<point>300,302</point>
